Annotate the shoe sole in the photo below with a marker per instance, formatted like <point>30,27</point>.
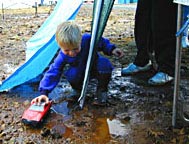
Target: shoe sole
<point>160,84</point>
<point>134,73</point>
<point>98,104</point>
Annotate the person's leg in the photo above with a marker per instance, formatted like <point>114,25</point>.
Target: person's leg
<point>104,71</point>
<point>164,18</point>
<point>74,80</point>
<point>75,76</point>
<point>142,32</point>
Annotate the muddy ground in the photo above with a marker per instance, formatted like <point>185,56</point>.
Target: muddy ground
<point>135,114</point>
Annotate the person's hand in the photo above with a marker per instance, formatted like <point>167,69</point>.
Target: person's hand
<point>118,52</point>
<point>39,99</point>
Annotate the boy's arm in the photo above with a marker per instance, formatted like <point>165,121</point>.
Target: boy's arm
<point>52,76</point>
<point>106,46</point>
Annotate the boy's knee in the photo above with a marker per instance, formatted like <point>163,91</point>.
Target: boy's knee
<point>104,65</point>
<point>74,78</point>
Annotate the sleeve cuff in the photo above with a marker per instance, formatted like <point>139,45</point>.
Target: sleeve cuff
<point>113,47</point>
<point>44,92</point>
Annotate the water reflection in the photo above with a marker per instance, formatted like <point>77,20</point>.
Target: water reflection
<point>106,128</point>
<point>99,127</point>
<point>101,132</point>
<point>117,128</point>
<point>61,108</point>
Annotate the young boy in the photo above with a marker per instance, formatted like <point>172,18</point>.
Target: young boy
<point>74,52</point>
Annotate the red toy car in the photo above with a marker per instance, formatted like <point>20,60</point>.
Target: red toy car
<point>35,113</point>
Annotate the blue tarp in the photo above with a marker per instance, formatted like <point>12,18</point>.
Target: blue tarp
<point>126,1</point>
<point>42,47</point>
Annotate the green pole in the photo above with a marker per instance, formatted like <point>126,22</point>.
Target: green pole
<point>101,12</point>
<point>91,53</point>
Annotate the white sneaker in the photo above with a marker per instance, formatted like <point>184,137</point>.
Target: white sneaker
<point>160,78</point>
<point>132,69</point>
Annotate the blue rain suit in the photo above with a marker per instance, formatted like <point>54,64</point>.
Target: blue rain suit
<point>75,66</point>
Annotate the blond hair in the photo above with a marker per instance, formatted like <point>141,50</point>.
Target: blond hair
<point>68,33</point>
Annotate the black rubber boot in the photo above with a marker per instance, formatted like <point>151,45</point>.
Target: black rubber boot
<point>73,96</point>
<point>102,88</point>
<point>100,98</point>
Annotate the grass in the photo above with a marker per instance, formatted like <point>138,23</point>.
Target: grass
<point>39,10</point>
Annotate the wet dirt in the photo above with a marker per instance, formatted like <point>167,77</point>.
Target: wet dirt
<point>136,113</point>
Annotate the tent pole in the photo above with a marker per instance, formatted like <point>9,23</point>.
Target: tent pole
<point>3,14</point>
<point>91,52</point>
<point>177,67</point>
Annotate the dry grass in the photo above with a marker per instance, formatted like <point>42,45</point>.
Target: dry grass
<point>40,10</point>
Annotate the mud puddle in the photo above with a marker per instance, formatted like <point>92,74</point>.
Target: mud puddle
<point>133,105</point>
<point>136,112</point>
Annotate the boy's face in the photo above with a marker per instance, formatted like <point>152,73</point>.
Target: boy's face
<point>70,50</point>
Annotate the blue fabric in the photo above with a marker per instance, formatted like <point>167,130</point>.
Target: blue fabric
<point>75,73</point>
<point>126,1</point>
<point>44,53</point>
<point>185,14</point>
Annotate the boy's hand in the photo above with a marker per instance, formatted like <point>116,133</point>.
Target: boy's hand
<point>39,99</point>
<point>118,52</point>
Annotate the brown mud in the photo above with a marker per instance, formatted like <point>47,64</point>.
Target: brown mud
<point>136,113</point>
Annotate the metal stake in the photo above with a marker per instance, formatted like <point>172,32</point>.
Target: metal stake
<point>177,67</point>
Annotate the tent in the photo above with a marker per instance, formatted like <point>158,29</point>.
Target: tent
<point>42,44</point>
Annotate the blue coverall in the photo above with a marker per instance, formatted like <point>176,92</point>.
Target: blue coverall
<point>101,69</point>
